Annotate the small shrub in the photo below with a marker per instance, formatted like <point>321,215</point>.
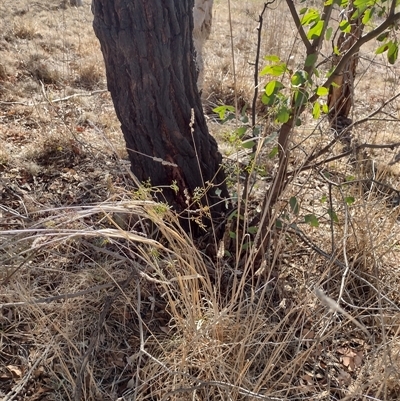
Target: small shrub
<point>24,30</point>
<point>89,77</point>
<point>40,70</point>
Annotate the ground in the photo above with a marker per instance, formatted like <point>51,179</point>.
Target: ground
<point>104,298</point>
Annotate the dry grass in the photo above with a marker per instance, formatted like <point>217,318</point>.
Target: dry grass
<point>103,297</point>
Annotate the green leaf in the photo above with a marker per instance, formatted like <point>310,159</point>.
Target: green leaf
<point>275,86</point>
<point>316,111</point>
<point>310,17</point>
<point>222,110</point>
<point>252,230</point>
<point>363,3</point>
<point>349,200</point>
<point>328,33</point>
<point>323,199</point>
<point>232,234</point>
<point>325,108</point>
<point>383,36</point>
<point>272,58</point>
<point>336,50</point>
<point>274,70</point>
<point>316,30</point>
<point>359,12</point>
<point>294,205</point>
<point>247,246</point>
<point>312,220</point>
<point>310,60</point>
<point>322,91</point>
<point>300,98</point>
<point>340,3</point>
<point>283,115</point>
<point>241,131</point>
<point>299,78</point>
<point>248,144</point>
<point>393,52</point>
<point>368,15</point>
<point>273,152</point>
<point>278,223</point>
<point>270,88</point>
<point>233,215</point>
<point>345,26</point>
<point>267,100</point>
<point>270,138</point>
<point>261,171</point>
<point>333,215</point>
<point>382,49</point>
<point>244,119</point>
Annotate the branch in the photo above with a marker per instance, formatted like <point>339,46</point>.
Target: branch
<point>356,47</point>
<point>299,27</point>
<point>363,120</point>
<point>390,146</point>
<point>257,62</point>
<point>367,118</point>
<point>392,7</point>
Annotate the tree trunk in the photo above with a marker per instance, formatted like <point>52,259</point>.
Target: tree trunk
<point>341,95</point>
<point>151,74</point>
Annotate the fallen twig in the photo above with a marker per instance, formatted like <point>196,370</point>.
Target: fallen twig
<point>61,99</point>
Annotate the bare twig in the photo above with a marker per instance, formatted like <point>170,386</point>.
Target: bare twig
<point>334,307</point>
<point>346,262</point>
<point>357,148</point>
<point>333,259</point>
<point>62,99</point>
<point>351,126</point>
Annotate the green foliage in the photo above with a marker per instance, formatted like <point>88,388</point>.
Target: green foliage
<point>332,214</point>
<point>312,220</point>
<point>392,49</point>
<point>294,205</point>
<point>349,200</point>
<point>345,26</point>
<point>316,111</point>
<point>224,112</point>
<point>316,30</point>
<point>299,78</point>
<point>287,93</point>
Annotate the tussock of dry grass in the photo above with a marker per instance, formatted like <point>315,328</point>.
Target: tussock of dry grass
<point>174,332</point>
<point>104,297</point>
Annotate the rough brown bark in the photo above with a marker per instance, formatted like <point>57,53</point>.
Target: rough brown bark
<point>151,74</point>
<point>341,95</point>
